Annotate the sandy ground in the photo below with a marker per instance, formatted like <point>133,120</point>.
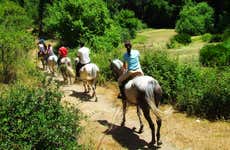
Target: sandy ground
<point>102,130</point>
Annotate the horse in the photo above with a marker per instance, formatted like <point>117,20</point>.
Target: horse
<point>89,75</point>
<point>52,62</point>
<point>42,57</point>
<point>144,92</point>
<point>66,69</point>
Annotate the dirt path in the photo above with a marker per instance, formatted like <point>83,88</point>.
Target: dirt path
<point>102,129</point>
<point>102,126</point>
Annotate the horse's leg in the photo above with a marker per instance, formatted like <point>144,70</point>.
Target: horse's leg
<point>158,131</point>
<point>124,104</point>
<point>70,78</point>
<point>146,112</point>
<point>85,87</point>
<point>139,117</point>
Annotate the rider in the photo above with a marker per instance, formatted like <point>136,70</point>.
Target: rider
<point>131,66</point>
<point>83,55</point>
<point>50,51</point>
<point>63,51</point>
<point>41,47</point>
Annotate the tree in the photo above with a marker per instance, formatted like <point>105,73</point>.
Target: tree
<point>75,19</point>
<point>195,19</point>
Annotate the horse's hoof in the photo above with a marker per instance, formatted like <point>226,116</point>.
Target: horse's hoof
<point>159,142</point>
<point>152,144</point>
<point>96,99</point>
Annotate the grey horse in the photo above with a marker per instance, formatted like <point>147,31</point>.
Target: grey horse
<point>144,92</point>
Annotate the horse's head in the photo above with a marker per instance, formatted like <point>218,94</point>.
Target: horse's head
<point>116,67</point>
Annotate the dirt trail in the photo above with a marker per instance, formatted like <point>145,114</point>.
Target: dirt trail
<point>102,128</point>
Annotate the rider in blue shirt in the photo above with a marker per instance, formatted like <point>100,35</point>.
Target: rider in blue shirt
<point>131,66</point>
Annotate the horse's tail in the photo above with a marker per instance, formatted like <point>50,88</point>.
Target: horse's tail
<point>70,71</point>
<point>95,71</point>
<point>151,96</point>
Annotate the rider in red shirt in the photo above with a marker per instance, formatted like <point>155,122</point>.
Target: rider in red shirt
<point>63,51</point>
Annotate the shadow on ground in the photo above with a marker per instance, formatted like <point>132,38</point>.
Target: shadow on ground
<point>125,136</point>
<point>81,95</point>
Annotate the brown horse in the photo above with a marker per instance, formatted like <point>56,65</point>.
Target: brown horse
<point>144,92</point>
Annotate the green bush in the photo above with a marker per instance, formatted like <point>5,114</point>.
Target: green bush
<point>127,20</point>
<point>203,93</point>
<point>13,16</point>
<point>214,55</point>
<point>206,37</point>
<point>195,19</point>
<point>226,34</point>
<point>189,89</point>
<point>215,101</point>
<point>162,68</point>
<point>216,38</point>
<point>177,40</point>
<point>32,118</point>
<point>14,48</point>
<point>74,20</point>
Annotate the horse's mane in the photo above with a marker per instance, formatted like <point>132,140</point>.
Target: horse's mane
<point>118,63</point>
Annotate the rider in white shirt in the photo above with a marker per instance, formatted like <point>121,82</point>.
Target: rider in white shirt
<point>83,55</point>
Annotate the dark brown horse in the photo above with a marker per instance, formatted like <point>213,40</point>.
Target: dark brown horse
<point>144,92</point>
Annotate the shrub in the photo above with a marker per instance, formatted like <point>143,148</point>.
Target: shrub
<point>214,55</point>
<point>226,34</point>
<point>13,16</point>
<point>188,88</point>
<point>203,93</point>
<point>206,37</point>
<point>74,20</point>
<point>177,40</point>
<point>14,48</point>
<point>158,65</point>
<point>127,20</point>
<point>216,38</point>
<point>32,118</point>
<point>195,19</point>
<point>215,102</point>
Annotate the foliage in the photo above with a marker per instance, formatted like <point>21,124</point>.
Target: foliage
<point>13,16</point>
<point>195,90</point>
<point>206,92</point>
<point>216,38</point>
<point>126,19</point>
<point>206,37</point>
<point>195,19</point>
<point>73,20</point>
<point>32,118</point>
<point>226,34</point>
<point>158,65</point>
<point>14,48</point>
<point>215,55</point>
<point>181,38</point>
<point>108,41</point>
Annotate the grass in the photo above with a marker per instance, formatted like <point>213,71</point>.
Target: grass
<point>152,39</point>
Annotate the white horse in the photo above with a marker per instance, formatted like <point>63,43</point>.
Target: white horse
<point>144,92</point>
<point>52,63</point>
<point>89,74</point>
<point>66,69</point>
